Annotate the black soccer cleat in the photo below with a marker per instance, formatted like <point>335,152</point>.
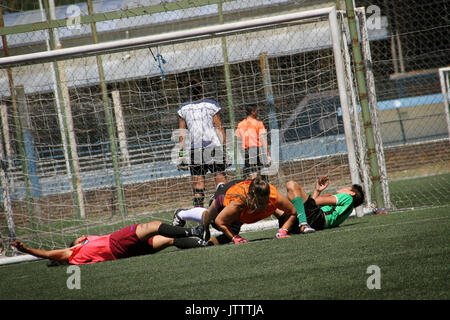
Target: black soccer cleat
<point>176,220</point>
<point>201,232</point>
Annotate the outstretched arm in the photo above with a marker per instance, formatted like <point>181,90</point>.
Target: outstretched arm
<point>57,255</point>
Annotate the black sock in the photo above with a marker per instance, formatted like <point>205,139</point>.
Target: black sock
<point>169,231</point>
<point>187,243</point>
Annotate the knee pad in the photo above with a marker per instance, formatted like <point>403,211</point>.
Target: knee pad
<point>198,200</point>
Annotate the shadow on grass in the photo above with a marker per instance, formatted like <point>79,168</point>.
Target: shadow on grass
<point>262,239</point>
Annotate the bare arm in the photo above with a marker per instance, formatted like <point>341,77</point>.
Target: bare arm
<point>263,139</point>
<point>219,128</point>
<point>57,255</point>
<point>286,206</point>
<point>182,126</point>
<point>227,216</point>
<point>326,199</point>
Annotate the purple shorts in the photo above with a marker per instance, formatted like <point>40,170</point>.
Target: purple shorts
<point>124,243</point>
<point>218,202</point>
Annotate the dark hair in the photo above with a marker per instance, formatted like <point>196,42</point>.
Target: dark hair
<point>358,198</point>
<point>250,108</point>
<point>195,89</point>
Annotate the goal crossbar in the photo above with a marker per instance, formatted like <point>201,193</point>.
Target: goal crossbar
<point>145,41</point>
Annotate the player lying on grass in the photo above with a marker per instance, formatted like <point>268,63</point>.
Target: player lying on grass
<point>322,211</point>
<point>239,202</point>
<point>134,240</point>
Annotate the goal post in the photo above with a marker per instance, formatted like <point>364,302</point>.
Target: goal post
<point>302,86</point>
<point>361,20</point>
<point>444,78</point>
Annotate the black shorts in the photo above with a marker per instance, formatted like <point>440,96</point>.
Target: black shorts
<point>314,215</point>
<point>255,159</point>
<point>205,159</point>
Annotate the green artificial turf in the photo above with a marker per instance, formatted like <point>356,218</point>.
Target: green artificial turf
<point>411,249</point>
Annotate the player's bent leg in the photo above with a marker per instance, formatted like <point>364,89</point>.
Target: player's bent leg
<point>199,197</point>
<point>182,215</point>
<point>147,230</point>
<point>198,186</point>
<point>188,243</point>
<point>160,242</point>
<point>294,190</point>
<point>298,197</point>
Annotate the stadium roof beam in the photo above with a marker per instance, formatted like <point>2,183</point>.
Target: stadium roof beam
<point>105,16</point>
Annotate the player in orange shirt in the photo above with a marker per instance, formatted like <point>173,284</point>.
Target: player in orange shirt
<point>252,136</point>
<point>246,201</point>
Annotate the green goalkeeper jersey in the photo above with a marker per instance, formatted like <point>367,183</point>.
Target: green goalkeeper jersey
<point>336,214</point>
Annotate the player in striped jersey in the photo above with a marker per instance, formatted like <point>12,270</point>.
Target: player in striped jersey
<point>199,120</point>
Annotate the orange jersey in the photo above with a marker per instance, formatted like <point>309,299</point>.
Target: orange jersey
<point>249,130</point>
<point>241,189</point>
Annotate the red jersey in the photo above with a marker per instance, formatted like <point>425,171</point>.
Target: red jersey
<point>93,249</point>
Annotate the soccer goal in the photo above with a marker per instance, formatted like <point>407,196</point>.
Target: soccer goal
<point>89,132</point>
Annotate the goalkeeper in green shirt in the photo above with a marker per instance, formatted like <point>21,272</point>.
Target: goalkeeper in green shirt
<point>322,211</point>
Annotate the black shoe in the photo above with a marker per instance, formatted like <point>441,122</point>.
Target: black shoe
<point>176,220</point>
<point>201,232</point>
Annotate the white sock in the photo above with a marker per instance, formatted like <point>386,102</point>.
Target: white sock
<point>219,184</point>
<point>194,214</point>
